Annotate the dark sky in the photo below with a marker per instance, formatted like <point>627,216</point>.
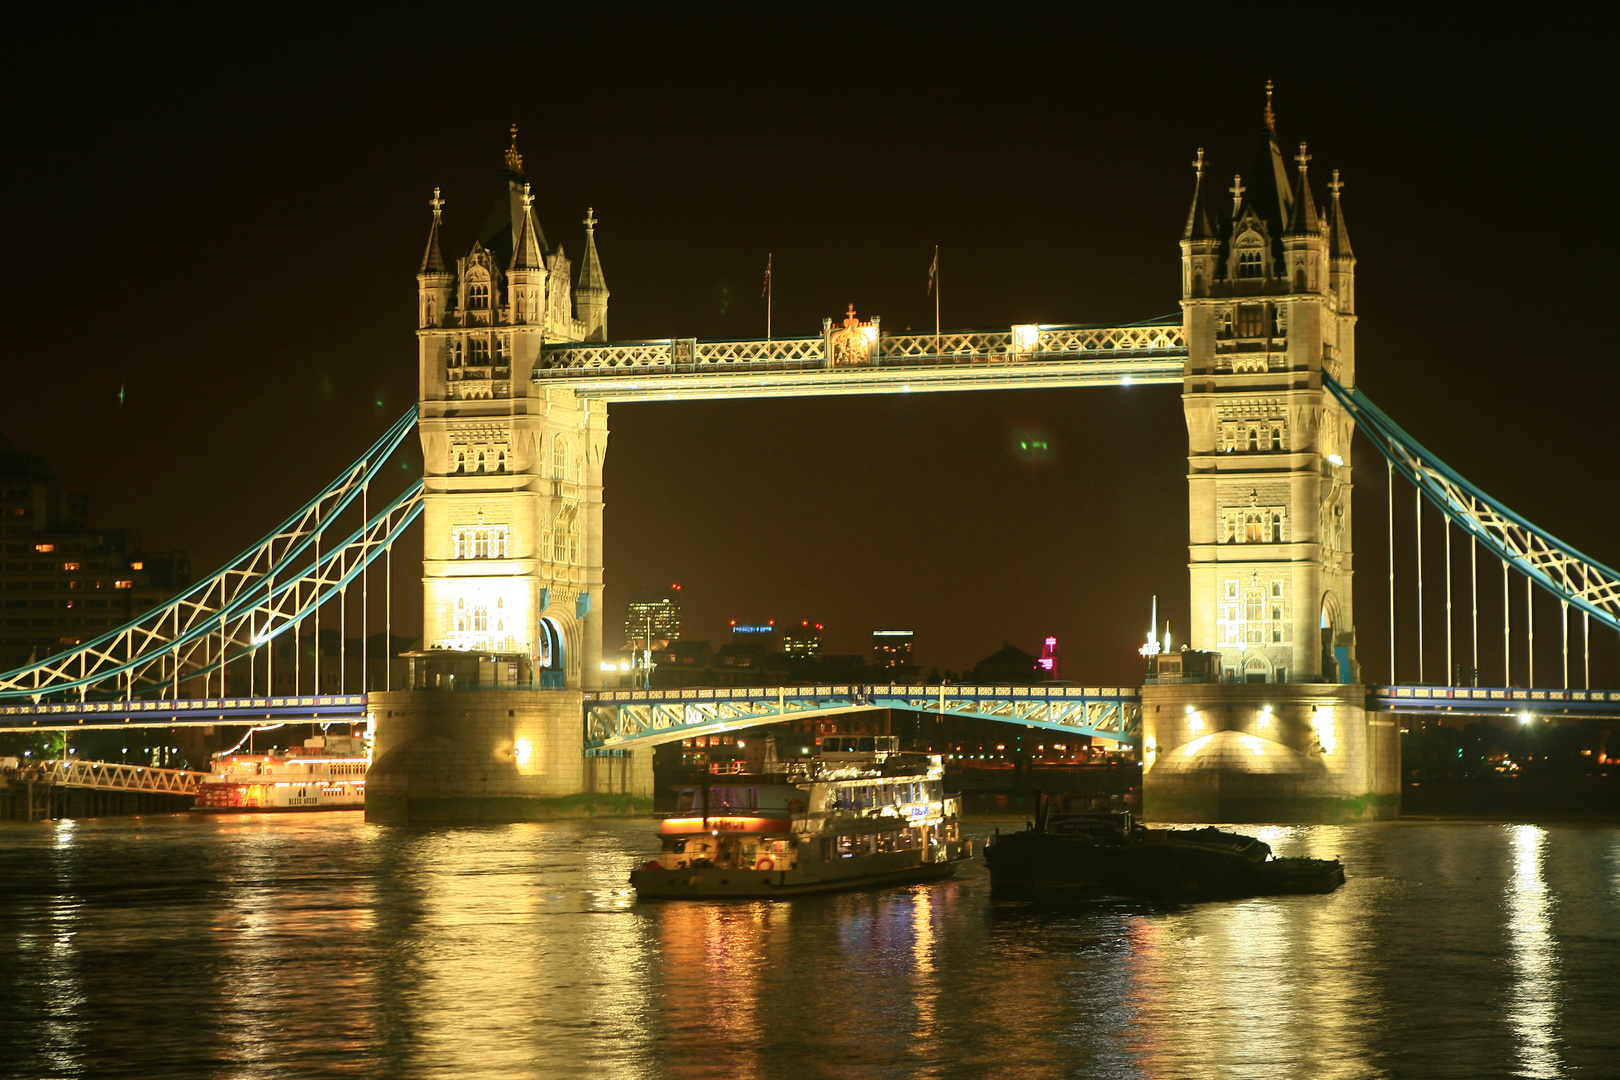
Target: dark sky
<point>221,211</point>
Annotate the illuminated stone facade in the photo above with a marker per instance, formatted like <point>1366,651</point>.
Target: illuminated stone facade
<point>1268,296</point>
<point>512,521</point>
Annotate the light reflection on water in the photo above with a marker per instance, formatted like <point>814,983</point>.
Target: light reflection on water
<point>311,946</point>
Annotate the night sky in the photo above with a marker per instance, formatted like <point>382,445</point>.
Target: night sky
<point>221,215</point>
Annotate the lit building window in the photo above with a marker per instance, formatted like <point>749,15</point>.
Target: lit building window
<point>1251,317</point>
<point>479,349</point>
<point>480,541</point>
<point>70,566</point>
<point>123,584</point>
<point>44,549</point>
<point>137,565</point>
<point>480,618</point>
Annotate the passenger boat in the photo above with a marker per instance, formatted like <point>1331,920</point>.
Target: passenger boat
<point>850,813</point>
<point>1077,853</point>
<point>325,773</point>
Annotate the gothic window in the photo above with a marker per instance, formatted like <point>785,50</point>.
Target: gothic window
<point>461,462</point>
<point>1276,590</point>
<point>500,615</point>
<point>500,461</point>
<point>461,616</point>
<point>478,294</point>
<point>1282,320</point>
<point>480,619</point>
<point>480,462</point>
<point>1226,322</point>
<point>481,541</point>
<point>1254,439</point>
<point>455,352</point>
<point>480,352</point>
<point>1251,318</point>
<point>1251,264</point>
<point>1253,531</point>
<point>1231,590</point>
<point>1276,437</point>
<point>1274,530</point>
<point>559,457</point>
<point>503,349</point>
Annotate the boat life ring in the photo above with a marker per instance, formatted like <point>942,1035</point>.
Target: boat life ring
<point>765,863</point>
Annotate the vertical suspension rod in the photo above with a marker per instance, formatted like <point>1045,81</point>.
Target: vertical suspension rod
<point>317,613</point>
<point>1563,608</point>
<point>1389,472</point>
<point>343,640</point>
<point>365,609</point>
<point>1507,642</point>
<point>1473,593</point>
<point>1451,666</point>
<point>1418,495</point>
<point>1530,624</point>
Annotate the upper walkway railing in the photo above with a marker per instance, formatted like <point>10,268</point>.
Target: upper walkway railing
<point>1495,701</point>
<point>1031,355</point>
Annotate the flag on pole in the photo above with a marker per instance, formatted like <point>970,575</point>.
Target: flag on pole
<point>765,290</point>
<point>933,271</point>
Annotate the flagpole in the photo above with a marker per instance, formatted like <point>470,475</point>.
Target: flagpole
<point>936,299</point>
<point>770,289</point>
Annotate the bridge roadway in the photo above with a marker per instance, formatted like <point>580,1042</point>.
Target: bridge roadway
<point>620,718</point>
<point>1017,357</point>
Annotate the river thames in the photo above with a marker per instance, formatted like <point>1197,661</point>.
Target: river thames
<point>320,946</point>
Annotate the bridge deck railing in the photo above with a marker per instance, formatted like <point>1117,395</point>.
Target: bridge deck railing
<point>954,347</point>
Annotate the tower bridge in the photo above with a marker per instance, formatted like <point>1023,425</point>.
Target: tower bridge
<point>516,374</point>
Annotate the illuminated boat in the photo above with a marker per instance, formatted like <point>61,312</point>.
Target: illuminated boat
<point>326,773</point>
<point>1070,854</point>
<point>849,814</point>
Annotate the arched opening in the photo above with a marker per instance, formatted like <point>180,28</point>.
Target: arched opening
<point>1335,658</point>
<point>550,659</point>
<point>1256,669</point>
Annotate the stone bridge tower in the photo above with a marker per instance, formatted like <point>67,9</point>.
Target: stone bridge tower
<point>1268,295</point>
<point>513,504</point>
<point>512,539</point>
<point>1275,728</point>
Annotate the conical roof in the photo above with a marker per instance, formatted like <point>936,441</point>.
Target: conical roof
<point>1304,218</point>
<point>1199,226</point>
<point>433,258</point>
<point>1338,235</point>
<point>526,253</point>
<point>590,269</point>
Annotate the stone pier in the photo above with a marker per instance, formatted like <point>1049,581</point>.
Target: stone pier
<point>1267,752</point>
<point>495,756</point>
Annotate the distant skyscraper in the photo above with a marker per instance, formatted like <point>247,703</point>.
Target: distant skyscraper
<point>65,583</point>
<point>891,649</point>
<point>804,639</point>
<point>654,617</point>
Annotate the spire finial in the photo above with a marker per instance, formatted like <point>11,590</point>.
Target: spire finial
<point>1271,116</point>
<point>514,160</point>
<point>1303,158</point>
<point>1237,189</point>
<point>528,200</point>
<point>1336,185</point>
<point>438,204</point>
<point>590,219</point>
<point>1199,164</point>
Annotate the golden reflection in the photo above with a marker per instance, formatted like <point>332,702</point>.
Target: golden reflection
<point>925,980</point>
<point>1533,998</point>
<point>715,965</point>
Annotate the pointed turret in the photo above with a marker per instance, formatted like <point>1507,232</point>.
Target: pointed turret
<point>1198,220</point>
<point>526,273</point>
<point>435,284</point>
<point>1338,235</point>
<point>1341,259</point>
<point>1199,240</point>
<point>1305,218</point>
<point>526,251</point>
<point>591,297</point>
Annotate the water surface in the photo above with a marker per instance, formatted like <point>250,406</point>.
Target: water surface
<point>319,946</point>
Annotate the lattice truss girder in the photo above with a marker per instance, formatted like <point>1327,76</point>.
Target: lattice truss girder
<point>1576,579</point>
<point>170,638</point>
<point>110,776</point>
<point>1055,343</point>
<point>610,723</point>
